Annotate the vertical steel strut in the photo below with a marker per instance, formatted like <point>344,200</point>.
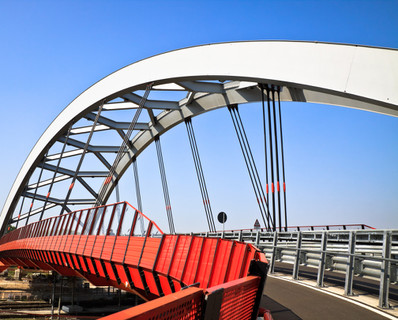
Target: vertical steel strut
<point>55,172</point>
<point>123,147</point>
<point>37,187</point>
<point>200,175</point>
<point>164,185</point>
<point>82,158</point>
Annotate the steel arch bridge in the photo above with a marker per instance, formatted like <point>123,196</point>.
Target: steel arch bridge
<point>198,80</point>
<point>206,77</point>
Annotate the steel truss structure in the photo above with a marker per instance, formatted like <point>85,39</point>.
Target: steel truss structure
<point>199,79</point>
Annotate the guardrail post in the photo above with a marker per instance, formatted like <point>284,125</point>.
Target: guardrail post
<point>385,271</point>
<point>322,260</point>
<point>297,260</point>
<point>240,235</point>
<point>258,238</point>
<point>274,245</point>
<point>349,277</point>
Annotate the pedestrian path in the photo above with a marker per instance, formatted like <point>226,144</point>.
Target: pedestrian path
<point>290,300</point>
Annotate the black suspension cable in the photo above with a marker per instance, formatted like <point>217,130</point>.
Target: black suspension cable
<point>200,175</point>
<point>256,175</point>
<point>82,158</point>
<point>55,172</point>
<point>37,187</point>
<point>277,162</point>
<point>250,165</point>
<point>123,147</point>
<point>283,159</point>
<point>271,158</point>
<point>165,186</point>
<point>265,143</point>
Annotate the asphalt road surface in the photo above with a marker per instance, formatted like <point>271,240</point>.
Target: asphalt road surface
<point>290,301</point>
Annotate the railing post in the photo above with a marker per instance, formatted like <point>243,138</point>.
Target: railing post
<point>258,237</point>
<point>274,245</point>
<point>322,260</point>
<point>385,271</point>
<point>297,260</point>
<point>240,235</point>
<point>349,277</point>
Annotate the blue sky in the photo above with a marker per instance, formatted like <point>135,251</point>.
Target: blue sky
<point>341,164</point>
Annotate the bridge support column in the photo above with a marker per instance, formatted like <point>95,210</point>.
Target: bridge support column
<point>385,271</point>
<point>274,249</point>
<point>322,260</point>
<point>298,253</point>
<point>53,294</point>
<point>349,277</point>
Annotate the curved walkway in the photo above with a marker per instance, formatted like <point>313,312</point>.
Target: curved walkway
<point>291,301</point>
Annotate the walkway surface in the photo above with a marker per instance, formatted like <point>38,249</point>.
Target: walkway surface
<point>291,301</point>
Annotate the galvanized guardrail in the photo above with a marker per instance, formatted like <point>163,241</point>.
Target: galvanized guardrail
<point>365,253</point>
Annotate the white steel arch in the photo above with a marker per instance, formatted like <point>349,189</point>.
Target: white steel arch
<point>212,76</point>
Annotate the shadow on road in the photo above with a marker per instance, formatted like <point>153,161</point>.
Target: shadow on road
<point>278,311</point>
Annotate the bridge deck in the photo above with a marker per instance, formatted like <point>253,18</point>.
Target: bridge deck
<point>291,301</point>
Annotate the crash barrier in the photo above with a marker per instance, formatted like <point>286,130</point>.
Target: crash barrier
<point>367,253</point>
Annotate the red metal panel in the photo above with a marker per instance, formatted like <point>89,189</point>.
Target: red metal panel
<point>235,266</point>
<point>149,254</point>
<point>122,275</point>
<point>109,271</point>
<point>82,264</point>
<point>164,283</point>
<point>220,264</point>
<point>107,248</point>
<point>251,253</point>
<point>61,243</point>
<point>193,261</point>
<point>135,275</point>
<point>120,249</point>
<point>74,244</point>
<point>80,247</point>
<point>165,255</point>
<point>99,241</point>
<point>205,262</point>
<point>75,262</point>
<point>177,285</point>
<point>134,251</point>
<point>90,266</point>
<point>68,244</point>
<point>150,281</point>
<point>64,259</point>
<point>89,245</point>
<point>238,298</point>
<point>186,304</point>
<point>99,268</point>
<point>180,257</point>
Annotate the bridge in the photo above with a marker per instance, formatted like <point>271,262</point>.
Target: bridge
<point>57,216</point>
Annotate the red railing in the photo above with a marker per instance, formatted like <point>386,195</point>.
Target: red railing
<point>233,300</point>
<point>102,245</point>
<point>104,220</point>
